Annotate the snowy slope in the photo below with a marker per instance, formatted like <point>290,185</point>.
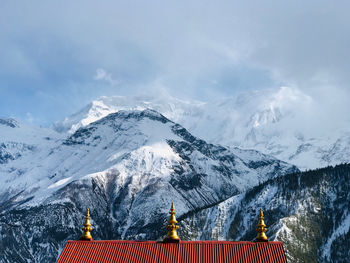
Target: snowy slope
<point>127,167</point>
<point>135,143</point>
<point>284,123</point>
<point>308,211</point>
<point>18,140</point>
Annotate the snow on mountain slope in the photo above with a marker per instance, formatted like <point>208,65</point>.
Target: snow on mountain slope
<point>18,140</point>
<point>134,143</point>
<point>308,211</point>
<point>284,123</point>
<point>127,167</point>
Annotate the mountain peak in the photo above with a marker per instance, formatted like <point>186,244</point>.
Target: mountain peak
<point>9,122</point>
<point>133,114</point>
<point>170,107</point>
<point>272,121</point>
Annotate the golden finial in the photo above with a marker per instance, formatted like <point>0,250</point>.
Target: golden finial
<point>172,236</point>
<point>87,227</point>
<point>261,228</point>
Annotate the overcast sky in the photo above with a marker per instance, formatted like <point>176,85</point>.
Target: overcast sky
<point>56,56</point>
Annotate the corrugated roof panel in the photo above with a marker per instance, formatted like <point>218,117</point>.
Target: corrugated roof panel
<point>184,252</point>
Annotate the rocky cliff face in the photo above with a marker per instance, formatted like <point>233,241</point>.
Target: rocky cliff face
<point>127,168</point>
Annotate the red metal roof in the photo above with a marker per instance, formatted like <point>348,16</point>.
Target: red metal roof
<point>184,252</point>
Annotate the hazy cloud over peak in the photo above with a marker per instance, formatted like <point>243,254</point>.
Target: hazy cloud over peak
<point>198,49</point>
<point>101,74</point>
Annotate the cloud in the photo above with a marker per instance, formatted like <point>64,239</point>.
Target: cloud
<point>29,118</point>
<point>198,49</point>
<point>101,74</point>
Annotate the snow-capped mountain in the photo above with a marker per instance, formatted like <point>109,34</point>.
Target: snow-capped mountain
<point>127,167</point>
<point>284,123</point>
<point>128,162</point>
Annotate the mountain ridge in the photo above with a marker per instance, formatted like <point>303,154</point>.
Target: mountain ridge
<point>279,122</point>
<point>123,167</point>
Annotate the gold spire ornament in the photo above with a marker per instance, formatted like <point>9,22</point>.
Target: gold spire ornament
<point>172,236</point>
<point>87,227</point>
<point>261,228</point>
